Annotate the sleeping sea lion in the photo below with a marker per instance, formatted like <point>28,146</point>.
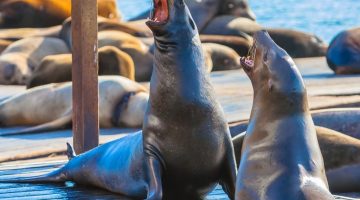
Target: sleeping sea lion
<point>343,55</point>
<point>222,57</point>
<point>20,58</point>
<point>122,102</point>
<point>299,44</point>
<point>281,157</point>
<point>239,44</point>
<point>231,25</point>
<point>45,13</point>
<point>159,163</point>
<point>57,68</point>
<point>15,34</point>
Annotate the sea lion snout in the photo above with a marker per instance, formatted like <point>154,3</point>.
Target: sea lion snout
<point>266,61</point>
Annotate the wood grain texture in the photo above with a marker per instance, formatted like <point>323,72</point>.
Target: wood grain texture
<point>85,79</point>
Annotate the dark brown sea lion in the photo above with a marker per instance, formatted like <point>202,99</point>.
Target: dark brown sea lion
<point>222,57</point>
<point>44,13</point>
<point>343,55</point>
<point>122,103</point>
<point>57,68</point>
<point>20,58</point>
<point>159,163</point>
<point>280,157</point>
<point>239,44</point>
<point>238,8</point>
<point>298,44</point>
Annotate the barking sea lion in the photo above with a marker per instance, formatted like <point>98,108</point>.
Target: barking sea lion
<point>280,157</point>
<point>159,163</point>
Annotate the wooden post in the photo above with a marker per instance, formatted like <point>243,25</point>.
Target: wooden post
<point>84,75</point>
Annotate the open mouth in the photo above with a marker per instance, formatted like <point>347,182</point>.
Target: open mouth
<point>160,13</point>
<point>248,62</point>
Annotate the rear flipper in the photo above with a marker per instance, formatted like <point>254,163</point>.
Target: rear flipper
<point>57,124</point>
<point>53,177</point>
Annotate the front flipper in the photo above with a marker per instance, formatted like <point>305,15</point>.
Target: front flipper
<point>228,179</point>
<point>153,175</point>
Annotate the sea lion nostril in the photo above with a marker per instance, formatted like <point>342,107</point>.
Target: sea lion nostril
<point>9,71</point>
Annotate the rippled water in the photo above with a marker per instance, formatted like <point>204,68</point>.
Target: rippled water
<point>324,18</point>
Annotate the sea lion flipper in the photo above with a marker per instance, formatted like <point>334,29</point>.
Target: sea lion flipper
<point>50,126</point>
<point>70,151</point>
<point>153,175</point>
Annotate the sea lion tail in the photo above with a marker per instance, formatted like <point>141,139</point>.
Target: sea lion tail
<point>56,176</point>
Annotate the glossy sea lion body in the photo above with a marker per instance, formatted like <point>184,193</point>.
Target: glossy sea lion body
<point>58,68</point>
<point>281,157</point>
<point>20,58</point>
<point>44,13</point>
<point>15,34</point>
<point>116,94</point>
<point>160,163</point>
<point>343,55</point>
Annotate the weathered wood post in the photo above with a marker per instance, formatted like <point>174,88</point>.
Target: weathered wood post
<point>84,75</point>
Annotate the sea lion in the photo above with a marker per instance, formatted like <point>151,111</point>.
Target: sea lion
<point>238,8</point>
<point>122,103</point>
<point>344,120</point>
<point>57,68</point>
<point>239,44</point>
<point>223,57</point>
<point>280,157</point>
<point>15,34</point>
<point>131,45</point>
<point>159,163</point>
<point>231,25</point>
<point>299,44</point>
<point>343,55</point>
<point>104,24</point>
<point>340,153</point>
<point>206,10</point>
<point>19,59</point>
<point>45,13</point>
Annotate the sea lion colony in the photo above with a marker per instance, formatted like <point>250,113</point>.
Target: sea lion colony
<point>128,52</point>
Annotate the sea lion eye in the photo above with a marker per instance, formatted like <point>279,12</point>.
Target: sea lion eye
<point>231,5</point>
<point>266,56</point>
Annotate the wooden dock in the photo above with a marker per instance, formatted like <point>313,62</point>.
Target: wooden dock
<point>233,90</point>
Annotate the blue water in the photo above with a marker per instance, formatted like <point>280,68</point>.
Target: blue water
<point>324,18</point>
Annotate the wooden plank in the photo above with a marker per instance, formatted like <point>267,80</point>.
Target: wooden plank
<point>84,75</point>
<point>71,191</point>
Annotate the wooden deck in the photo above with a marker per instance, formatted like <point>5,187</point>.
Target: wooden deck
<point>233,90</point>
<point>68,190</point>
